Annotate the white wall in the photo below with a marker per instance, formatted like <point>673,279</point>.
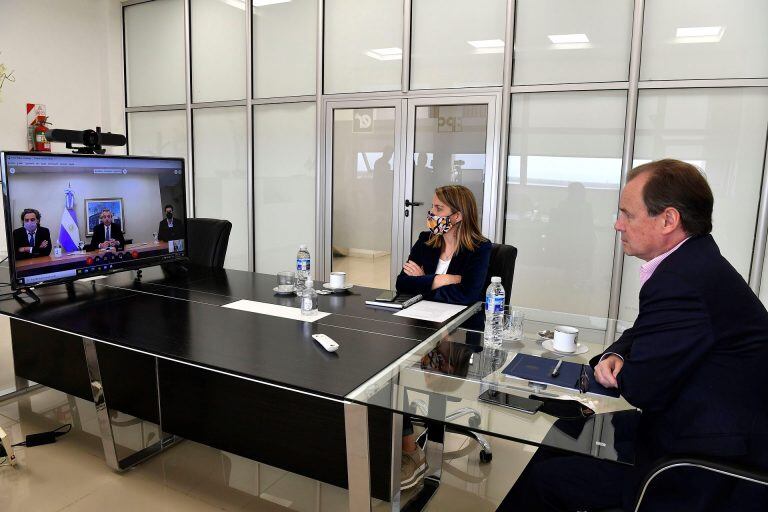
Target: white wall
<point>66,55</point>
<point>142,206</point>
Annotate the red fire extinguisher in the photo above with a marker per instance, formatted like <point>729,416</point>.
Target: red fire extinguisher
<point>40,130</point>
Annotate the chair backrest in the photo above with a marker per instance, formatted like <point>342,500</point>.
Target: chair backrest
<point>738,472</point>
<point>207,241</point>
<point>502,264</point>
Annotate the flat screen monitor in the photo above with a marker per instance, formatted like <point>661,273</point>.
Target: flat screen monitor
<point>71,216</point>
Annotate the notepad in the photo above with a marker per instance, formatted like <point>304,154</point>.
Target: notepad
<point>431,311</point>
<point>539,369</point>
<point>265,308</point>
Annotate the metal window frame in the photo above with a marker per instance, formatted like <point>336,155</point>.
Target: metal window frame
<point>329,105</point>
<point>500,142</point>
<point>492,142</point>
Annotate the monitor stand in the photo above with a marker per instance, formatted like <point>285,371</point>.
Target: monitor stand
<point>29,292</point>
<point>174,269</point>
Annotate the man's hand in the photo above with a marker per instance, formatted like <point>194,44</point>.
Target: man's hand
<point>25,249</point>
<point>607,370</point>
<point>412,269</point>
<point>44,244</point>
<point>102,245</point>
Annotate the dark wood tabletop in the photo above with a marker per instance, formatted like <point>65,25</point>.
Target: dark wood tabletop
<point>179,317</point>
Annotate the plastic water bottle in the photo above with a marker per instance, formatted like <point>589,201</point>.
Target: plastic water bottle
<point>309,299</point>
<point>302,267</point>
<point>494,313</point>
<point>57,249</point>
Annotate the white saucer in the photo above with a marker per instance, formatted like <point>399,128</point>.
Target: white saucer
<point>344,288</point>
<point>283,293</point>
<point>580,349</point>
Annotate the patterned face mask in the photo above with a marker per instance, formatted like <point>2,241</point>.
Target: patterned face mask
<point>438,225</point>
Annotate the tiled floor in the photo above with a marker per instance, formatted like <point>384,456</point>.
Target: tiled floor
<point>370,271</point>
<point>71,474</point>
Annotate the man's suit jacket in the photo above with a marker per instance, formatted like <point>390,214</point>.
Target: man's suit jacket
<point>696,363</point>
<point>165,233</point>
<point>472,266</point>
<point>20,239</point>
<point>116,233</point>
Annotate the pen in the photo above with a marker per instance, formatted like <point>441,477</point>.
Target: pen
<point>556,371</point>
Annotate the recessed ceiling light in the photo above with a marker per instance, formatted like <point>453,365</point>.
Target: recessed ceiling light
<point>699,34</point>
<point>487,43</point>
<point>240,4</point>
<point>487,46</point>
<point>262,3</point>
<point>698,31</point>
<point>568,38</point>
<point>386,53</point>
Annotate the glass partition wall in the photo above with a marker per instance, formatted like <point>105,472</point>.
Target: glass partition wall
<point>330,122</point>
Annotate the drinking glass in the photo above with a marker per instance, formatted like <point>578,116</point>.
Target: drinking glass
<point>513,325</point>
<point>285,281</point>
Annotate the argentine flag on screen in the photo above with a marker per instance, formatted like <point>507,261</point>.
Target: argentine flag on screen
<point>69,234</point>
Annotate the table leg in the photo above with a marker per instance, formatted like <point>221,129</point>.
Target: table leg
<point>105,423</point>
<point>21,383</point>
<point>358,457</point>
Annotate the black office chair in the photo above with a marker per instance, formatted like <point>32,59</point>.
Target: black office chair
<point>207,241</point>
<point>727,469</point>
<point>502,264</point>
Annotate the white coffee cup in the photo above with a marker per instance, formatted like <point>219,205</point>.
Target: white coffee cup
<point>338,279</point>
<point>565,338</point>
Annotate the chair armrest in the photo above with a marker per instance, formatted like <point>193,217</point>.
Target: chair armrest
<point>741,472</point>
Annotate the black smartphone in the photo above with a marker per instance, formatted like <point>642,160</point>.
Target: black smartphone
<point>518,403</point>
<point>388,296</point>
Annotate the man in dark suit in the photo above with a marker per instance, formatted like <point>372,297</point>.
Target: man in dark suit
<point>107,234</point>
<point>170,227</point>
<point>31,240</point>
<point>695,362</point>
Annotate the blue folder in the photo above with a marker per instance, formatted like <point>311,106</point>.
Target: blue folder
<point>539,369</point>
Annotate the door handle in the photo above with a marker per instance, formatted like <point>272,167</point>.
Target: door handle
<point>409,203</point>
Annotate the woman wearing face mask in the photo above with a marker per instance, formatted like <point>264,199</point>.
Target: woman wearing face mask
<point>449,262</point>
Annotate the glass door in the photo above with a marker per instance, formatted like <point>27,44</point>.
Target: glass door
<point>450,142</point>
<point>363,179</point>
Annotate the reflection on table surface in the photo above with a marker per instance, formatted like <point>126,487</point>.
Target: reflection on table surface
<point>447,373</point>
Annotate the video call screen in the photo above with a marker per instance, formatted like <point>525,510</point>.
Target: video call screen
<point>75,216</point>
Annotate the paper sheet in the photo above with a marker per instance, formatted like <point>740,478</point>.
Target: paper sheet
<point>265,308</point>
<point>431,311</point>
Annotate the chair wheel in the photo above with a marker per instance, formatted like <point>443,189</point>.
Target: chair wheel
<point>485,457</point>
<point>474,421</point>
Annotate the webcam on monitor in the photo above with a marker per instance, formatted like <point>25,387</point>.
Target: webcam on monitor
<point>89,142</point>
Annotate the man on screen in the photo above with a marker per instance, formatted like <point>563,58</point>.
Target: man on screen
<point>31,240</point>
<point>107,234</point>
<point>170,227</point>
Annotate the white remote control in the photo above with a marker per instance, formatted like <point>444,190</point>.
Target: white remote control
<point>327,343</point>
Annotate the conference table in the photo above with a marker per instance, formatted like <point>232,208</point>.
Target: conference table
<point>164,350</point>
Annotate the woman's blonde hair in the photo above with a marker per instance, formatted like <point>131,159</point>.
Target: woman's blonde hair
<point>460,199</point>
